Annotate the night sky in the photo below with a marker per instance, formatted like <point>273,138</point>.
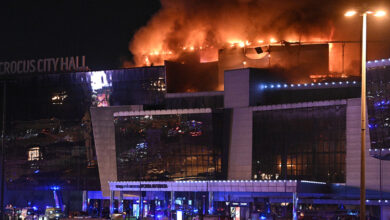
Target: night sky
<point>101,30</point>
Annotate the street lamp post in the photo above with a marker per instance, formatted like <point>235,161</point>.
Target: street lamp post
<point>363,109</point>
<point>363,123</point>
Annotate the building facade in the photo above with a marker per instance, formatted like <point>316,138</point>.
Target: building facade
<point>92,131</point>
<point>271,131</point>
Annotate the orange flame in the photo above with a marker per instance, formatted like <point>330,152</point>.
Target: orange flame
<point>181,27</point>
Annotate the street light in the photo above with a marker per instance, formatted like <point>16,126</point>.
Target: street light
<point>350,13</point>
<point>364,14</point>
<point>380,13</point>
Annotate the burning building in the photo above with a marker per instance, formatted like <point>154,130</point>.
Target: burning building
<point>196,54</point>
<point>78,131</point>
<point>286,34</point>
<point>294,62</point>
<point>300,60</point>
<point>238,34</point>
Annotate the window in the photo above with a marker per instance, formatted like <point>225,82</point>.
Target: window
<point>34,154</point>
<point>301,143</point>
<point>167,147</point>
<point>378,106</point>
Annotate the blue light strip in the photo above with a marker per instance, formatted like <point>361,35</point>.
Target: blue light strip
<point>313,182</point>
<point>264,86</point>
<point>380,149</point>
<point>234,181</point>
<point>379,201</point>
<point>377,63</point>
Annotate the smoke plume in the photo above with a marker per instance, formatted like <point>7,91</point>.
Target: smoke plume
<point>183,26</point>
<point>201,24</point>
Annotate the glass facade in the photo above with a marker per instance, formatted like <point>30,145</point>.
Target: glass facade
<point>49,139</point>
<point>213,102</point>
<point>378,106</point>
<point>169,147</point>
<point>138,86</point>
<point>300,143</point>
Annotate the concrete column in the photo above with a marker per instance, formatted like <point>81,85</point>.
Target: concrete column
<point>374,178</point>
<point>85,201</point>
<point>112,200</point>
<point>295,206</point>
<point>120,202</point>
<point>240,149</point>
<point>104,136</point>
<point>237,85</point>
<point>211,205</point>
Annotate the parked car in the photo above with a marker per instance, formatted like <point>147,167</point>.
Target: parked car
<point>53,213</point>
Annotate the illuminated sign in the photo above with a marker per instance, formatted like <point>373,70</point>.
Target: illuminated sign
<point>56,64</point>
<point>142,186</point>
